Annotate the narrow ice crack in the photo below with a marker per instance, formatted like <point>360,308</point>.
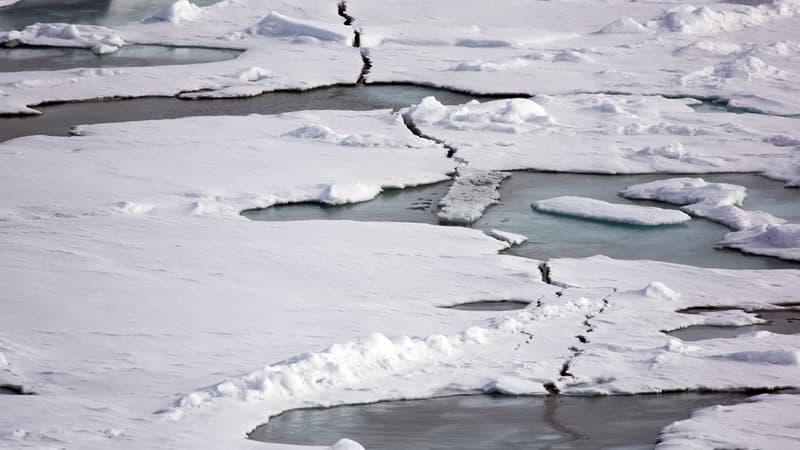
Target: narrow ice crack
<point>576,351</point>
<point>341,9</point>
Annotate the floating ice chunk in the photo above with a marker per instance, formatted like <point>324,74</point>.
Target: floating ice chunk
<point>780,240</point>
<point>714,201</point>
<point>766,421</point>
<point>339,194</point>
<point>99,39</point>
<point>278,25</point>
<point>346,444</point>
<point>471,193</point>
<point>178,12</point>
<point>624,25</point>
<point>589,208</point>
<point>511,238</point>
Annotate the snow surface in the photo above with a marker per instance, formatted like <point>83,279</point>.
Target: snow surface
<point>592,209</point>
<point>618,46</point>
<point>302,46</point>
<point>765,421</point>
<point>511,238</point>
<point>470,194</point>
<point>611,135</point>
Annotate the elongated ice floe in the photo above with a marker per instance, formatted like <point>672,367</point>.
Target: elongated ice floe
<point>511,238</point>
<point>779,240</point>
<point>719,202</point>
<point>765,421</point>
<point>592,209</point>
<point>471,193</point>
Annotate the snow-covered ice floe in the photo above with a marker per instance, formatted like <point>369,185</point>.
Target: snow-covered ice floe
<point>298,47</point>
<point>507,236</point>
<point>765,421</point>
<point>611,135</point>
<point>471,193</point>
<point>592,209</point>
<point>755,232</point>
<point>748,54</point>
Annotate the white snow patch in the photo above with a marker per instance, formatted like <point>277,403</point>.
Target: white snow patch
<point>511,238</point>
<point>339,194</point>
<point>765,421</point>
<point>624,25</point>
<point>588,208</point>
<point>276,24</point>
<point>255,74</point>
<point>178,12</point>
<point>471,193</point>
<point>511,116</point>
<point>715,201</point>
<point>780,240</point>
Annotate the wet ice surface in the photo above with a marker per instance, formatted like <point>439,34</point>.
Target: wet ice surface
<point>779,321</point>
<point>92,12</point>
<point>57,119</point>
<point>481,422</point>
<point>53,58</point>
<point>490,305</point>
<point>691,243</point>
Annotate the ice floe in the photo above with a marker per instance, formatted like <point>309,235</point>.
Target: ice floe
<point>765,421</point>
<point>780,240</point>
<point>471,193</point>
<point>592,209</point>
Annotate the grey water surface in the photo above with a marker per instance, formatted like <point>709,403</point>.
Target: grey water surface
<point>490,422</point>
<point>86,12</point>
<point>782,321</point>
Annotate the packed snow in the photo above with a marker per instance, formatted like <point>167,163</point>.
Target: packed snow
<point>144,311</point>
<point>611,135</point>
<point>765,421</point>
<point>470,194</point>
<point>592,209</point>
<point>618,46</point>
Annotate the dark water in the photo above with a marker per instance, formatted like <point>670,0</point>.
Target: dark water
<point>88,12</point>
<point>487,422</point>
<point>57,119</point>
<point>551,236</point>
<point>491,305</point>
<point>780,322</point>
<point>20,59</point>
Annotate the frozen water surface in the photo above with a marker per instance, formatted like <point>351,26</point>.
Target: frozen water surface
<point>54,58</point>
<point>92,12</point>
<point>484,422</point>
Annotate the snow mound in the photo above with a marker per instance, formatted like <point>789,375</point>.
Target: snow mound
<point>709,48</point>
<point>346,444</point>
<point>481,66</point>
<point>340,194</point>
<point>744,69</point>
<point>704,20</point>
<point>255,74</point>
<point>279,25</point>
<point>471,193</point>
<point>780,240</point>
<point>624,25</point>
<point>512,115</point>
<point>715,201</point>
<point>100,39</point>
<point>324,133</point>
<point>511,238</point>
<point>766,421</point>
<point>592,209</point>
<point>660,291</point>
<point>179,12</point>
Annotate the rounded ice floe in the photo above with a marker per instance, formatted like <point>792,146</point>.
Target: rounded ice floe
<point>592,209</point>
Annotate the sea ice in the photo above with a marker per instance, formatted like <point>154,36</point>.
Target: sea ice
<point>471,193</point>
<point>589,208</point>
